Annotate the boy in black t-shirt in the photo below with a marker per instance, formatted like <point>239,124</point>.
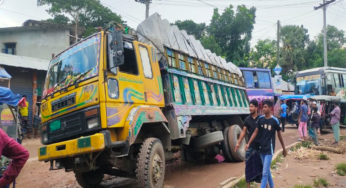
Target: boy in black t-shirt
<point>267,126</point>
<point>253,170</point>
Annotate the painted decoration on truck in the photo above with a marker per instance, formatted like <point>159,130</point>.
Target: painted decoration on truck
<point>128,93</point>
<point>84,96</point>
<point>197,93</point>
<point>177,95</point>
<point>157,97</point>
<point>187,91</point>
<point>140,115</point>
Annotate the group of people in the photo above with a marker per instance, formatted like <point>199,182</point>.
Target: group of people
<point>261,131</point>
<point>310,120</point>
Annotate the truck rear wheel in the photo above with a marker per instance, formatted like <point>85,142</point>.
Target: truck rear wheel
<point>233,135</point>
<point>225,146</point>
<point>150,170</point>
<point>89,179</point>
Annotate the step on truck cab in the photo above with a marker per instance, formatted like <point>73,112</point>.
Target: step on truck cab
<point>123,105</point>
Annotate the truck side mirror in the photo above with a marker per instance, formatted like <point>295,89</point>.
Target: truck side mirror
<point>115,49</point>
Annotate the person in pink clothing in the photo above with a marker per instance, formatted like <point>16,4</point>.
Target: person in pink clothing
<point>12,150</point>
<point>303,120</point>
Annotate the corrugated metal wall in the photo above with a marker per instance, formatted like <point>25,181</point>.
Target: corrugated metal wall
<point>22,83</point>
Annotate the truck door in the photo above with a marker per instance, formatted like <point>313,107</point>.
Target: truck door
<point>153,91</point>
<point>124,87</point>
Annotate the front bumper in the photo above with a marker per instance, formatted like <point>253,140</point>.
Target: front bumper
<point>88,144</point>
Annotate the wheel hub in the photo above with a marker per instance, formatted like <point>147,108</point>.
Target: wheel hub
<point>157,168</point>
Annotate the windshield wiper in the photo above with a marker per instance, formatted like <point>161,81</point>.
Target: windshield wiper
<point>79,77</point>
<point>57,85</point>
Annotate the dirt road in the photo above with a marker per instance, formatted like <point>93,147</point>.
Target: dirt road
<point>303,167</point>
<point>179,174</point>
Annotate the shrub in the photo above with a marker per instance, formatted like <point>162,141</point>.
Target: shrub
<point>341,169</point>
<point>306,144</point>
<point>321,182</point>
<point>323,156</point>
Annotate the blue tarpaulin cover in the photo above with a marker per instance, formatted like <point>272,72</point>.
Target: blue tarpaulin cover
<point>294,97</point>
<point>4,73</point>
<point>8,97</point>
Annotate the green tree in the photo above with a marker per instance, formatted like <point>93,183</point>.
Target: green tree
<point>292,54</point>
<point>232,31</point>
<point>335,38</point>
<point>88,14</point>
<point>263,55</point>
<point>210,43</point>
<point>192,28</point>
<point>335,42</point>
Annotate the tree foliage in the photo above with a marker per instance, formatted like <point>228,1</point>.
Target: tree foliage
<point>192,28</point>
<point>294,41</point>
<point>86,13</point>
<point>263,55</point>
<point>232,31</point>
<point>228,34</point>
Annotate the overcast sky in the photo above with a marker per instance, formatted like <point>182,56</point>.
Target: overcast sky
<point>298,12</point>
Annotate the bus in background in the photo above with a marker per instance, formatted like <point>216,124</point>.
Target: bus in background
<point>324,81</point>
<point>258,84</point>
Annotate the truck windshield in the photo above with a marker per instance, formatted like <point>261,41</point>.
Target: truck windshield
<point>76,64</point>
<point>309,85</point>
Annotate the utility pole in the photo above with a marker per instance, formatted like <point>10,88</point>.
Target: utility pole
<point>324,6</point>
<point>278,42</point>
<point>147,4</point>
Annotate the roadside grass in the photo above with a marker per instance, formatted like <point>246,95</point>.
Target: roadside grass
<point>305,144</point>
<point>341,169</point>
<point>242,184</point>
<point>321,182</point>
<point>343,137</point>
<point>323,156</point>
<point>302,186</point>
<point>275,162</point>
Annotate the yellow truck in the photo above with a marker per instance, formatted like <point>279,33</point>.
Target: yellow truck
<point>123,104</point>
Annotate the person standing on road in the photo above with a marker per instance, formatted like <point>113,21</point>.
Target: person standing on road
<point>24,114</point>
<point>335,122</point>
<point>283,114</point>
<point>303,121</point>
<point>315,124</point>
<point>12,150</point>
<point>253,170</point>
<point>267,126</point>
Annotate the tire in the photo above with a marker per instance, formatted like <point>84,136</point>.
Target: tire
<point>208,139</point>
<point>233,135</point>
<point>225,146</point>
<point>89,179</point>
<point>295,116</point>
<point>150,170</point>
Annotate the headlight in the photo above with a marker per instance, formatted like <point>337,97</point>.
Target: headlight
<point>92,123</point>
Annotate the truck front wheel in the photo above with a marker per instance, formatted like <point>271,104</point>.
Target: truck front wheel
<point>89,179</point>
<point>150,170</point>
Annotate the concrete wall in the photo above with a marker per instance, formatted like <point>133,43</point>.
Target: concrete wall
<point>37,43</point>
